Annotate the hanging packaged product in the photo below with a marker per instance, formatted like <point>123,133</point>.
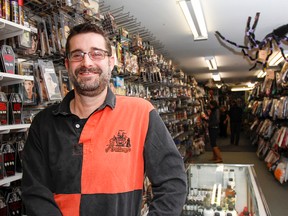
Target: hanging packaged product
<point>14,203</point>
<point>9,159</point>
<point>7,59</point>
<point>15,108</point>
<point>3,109</point>
<point>3,206</point>
<point>19,146</point>
<point>50,79</point>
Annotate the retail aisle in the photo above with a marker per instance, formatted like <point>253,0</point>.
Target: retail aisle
<point>276,195</point>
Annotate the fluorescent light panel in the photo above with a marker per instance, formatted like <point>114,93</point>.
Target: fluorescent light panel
<point>277,58</point>
<point>211,62</point>
<point>261,74</point>
<point>216,76</point>
<point>200,22</point>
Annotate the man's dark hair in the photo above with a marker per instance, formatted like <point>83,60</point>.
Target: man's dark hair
<point>87,27</point>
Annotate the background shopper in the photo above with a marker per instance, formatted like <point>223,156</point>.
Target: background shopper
<point>88,155</point>
<point>224,118</point>
<point>235,115</point>
<point>213,127</point>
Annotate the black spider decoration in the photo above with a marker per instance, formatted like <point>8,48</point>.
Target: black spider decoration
<point>277,36</point>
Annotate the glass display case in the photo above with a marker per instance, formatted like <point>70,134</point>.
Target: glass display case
<point>224,189</point>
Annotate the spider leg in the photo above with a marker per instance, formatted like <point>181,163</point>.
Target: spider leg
<point>254,66</point>
<point>256,19</point>
<point>231,42</point>
<point>249,56</point>
<point>248,24</point>
<point>250,32</point>
<point>264,66</point>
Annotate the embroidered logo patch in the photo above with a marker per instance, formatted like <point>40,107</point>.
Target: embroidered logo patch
<point>119,143</point>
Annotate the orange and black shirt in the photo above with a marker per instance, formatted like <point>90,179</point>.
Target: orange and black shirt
<point>96,166</point>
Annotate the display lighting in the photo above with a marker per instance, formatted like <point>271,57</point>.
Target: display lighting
<point>195,18</point>
<point>242,89</point>
<point>211,62</point>
<point>277,57</point>
<point>216,76</point>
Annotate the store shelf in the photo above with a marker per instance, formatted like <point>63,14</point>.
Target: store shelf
<point>10,29</point>
<point>7,180</point>
<point>11,79</point>
<point>5,129</point>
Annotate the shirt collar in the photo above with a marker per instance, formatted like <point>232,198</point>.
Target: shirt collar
<point>64,106</point>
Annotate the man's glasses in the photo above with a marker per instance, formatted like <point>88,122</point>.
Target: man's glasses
<point>94,55</point>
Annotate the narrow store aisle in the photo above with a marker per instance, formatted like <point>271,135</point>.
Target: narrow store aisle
<point>276,195</point>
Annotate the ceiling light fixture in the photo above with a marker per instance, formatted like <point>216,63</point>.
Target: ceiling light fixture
<point>198,25</point>
<point>277,57</point>
<point>216,76</point>
<point>261,74</point>
<point>211,62</point>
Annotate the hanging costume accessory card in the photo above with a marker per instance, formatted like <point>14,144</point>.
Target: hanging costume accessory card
<point>56,30</point>
<point>34,38</point>
<point>50,79</point>
<point>25,40</point>
<point>50,34</point>
<point>40,85</point>
<point>28,88</point>
<point>64,81</point>
<point>3,109</point>
<point>66,22</point>
<point>44,44</point>
<point>19,146</point>
<point>7,59</point>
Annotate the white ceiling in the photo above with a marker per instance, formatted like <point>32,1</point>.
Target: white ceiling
<point>165,21</point>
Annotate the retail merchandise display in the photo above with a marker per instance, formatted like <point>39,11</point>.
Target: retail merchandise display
<point>32,66</point>
<point>223,190</point>
<point>32,52</point>
<point>268,126</point>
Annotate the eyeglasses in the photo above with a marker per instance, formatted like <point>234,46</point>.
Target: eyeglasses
<point>77,56</point>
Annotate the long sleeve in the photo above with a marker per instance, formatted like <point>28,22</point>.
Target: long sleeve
<point>165,169</point>
<point>36,183</point>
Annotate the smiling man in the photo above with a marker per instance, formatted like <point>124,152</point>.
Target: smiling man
<point>89,154</point>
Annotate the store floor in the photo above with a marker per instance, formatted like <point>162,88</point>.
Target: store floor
<point>276,194</point>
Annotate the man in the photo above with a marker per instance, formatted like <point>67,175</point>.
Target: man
<point>88,155</point>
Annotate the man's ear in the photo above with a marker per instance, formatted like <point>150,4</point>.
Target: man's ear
<point>66,63</point>
<point>112,61</point>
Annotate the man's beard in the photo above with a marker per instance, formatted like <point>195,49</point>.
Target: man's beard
<point>84,86</point>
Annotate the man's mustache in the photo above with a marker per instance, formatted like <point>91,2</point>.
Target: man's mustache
<point>88,70</point>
